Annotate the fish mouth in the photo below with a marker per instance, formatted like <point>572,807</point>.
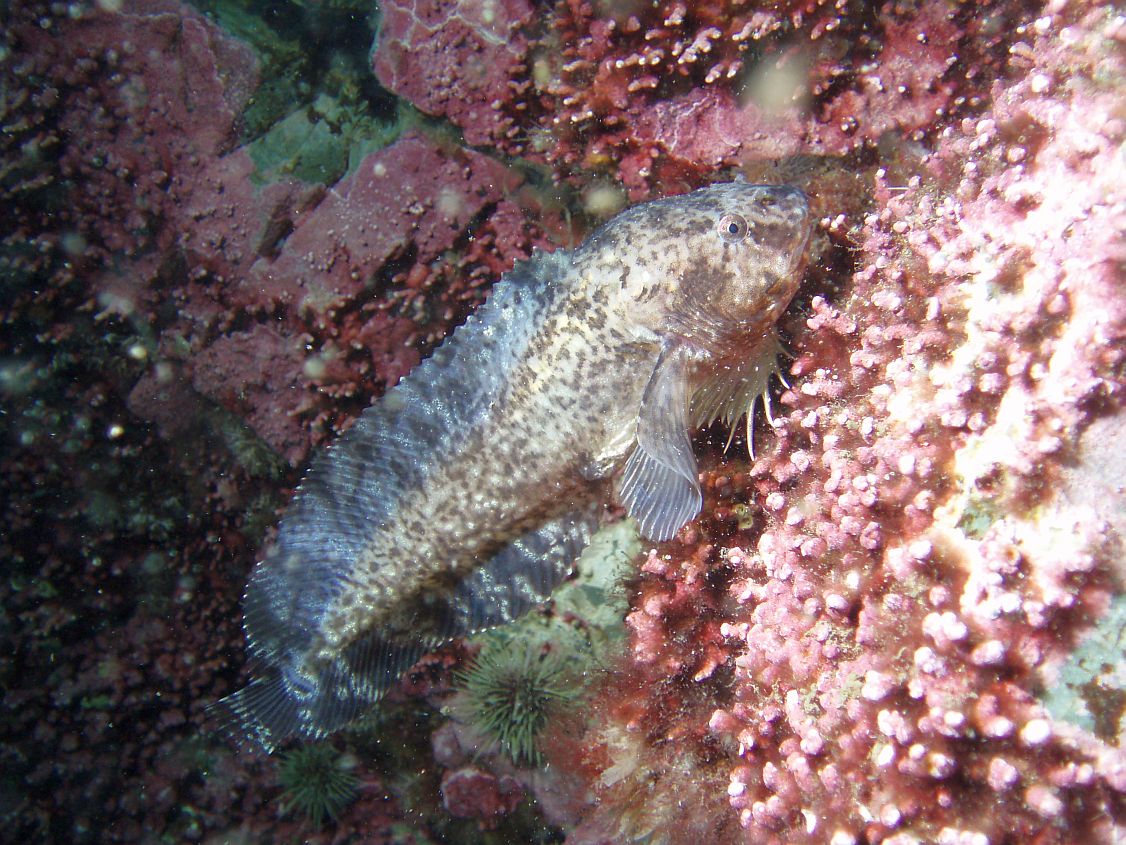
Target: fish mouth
<point>801,248</point>
<point>792,204</point>
<point>784,223</point>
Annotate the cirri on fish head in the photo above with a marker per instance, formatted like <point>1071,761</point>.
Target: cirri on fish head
<point>461,498</point>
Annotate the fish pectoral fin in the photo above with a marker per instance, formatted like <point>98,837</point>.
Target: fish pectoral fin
<point>659,486</point>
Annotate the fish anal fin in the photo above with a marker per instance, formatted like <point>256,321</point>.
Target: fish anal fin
<point>518,577</point>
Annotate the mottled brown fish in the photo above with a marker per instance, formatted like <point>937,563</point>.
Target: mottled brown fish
<point>463,497</point>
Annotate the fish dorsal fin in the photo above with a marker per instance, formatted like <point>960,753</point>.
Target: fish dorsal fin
<point>424,419</point>
<point>659,486</point>
<point>351,491</point>
<point>734,390</point>
<point>519,576</point>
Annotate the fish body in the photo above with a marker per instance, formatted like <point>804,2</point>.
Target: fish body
<point>462,498</point>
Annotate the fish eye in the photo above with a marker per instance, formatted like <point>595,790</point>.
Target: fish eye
<point>732,228</point>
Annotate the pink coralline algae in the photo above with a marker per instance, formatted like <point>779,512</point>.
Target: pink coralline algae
<point>175,329</point>
<point>426,198</point>
<point>253,271</point>
<point>121,126</point>
<point>307,272</point>
<point>659,93</point>
<point>912,569</point>
<point>455,58</point>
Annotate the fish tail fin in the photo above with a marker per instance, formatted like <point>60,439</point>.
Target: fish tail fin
<point>314,701</point>
<point>263,713</point>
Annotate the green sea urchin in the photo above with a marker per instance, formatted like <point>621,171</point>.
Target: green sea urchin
<point>509,693</point>
<point>317,780</point>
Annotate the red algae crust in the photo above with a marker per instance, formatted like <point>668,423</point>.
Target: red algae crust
<point>455,58</point>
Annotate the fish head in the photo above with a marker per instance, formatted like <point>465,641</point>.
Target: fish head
<point>722,262</point>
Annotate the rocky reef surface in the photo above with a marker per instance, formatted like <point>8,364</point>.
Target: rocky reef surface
<point>226,227</point>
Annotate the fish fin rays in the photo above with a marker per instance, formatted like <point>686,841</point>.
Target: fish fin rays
<point>519,576</point>
<point>659,486</point>
<point>424,418</point>
<point>433,411</point>
<point>735,391</point>
<point>277,705</point>
<point>262,713</point>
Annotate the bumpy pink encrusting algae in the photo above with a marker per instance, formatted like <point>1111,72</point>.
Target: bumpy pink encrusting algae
<point>167,315</point>
<point>911,571</point>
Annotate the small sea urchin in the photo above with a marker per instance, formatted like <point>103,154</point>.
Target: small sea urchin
<point>317,780</point>
<point>510,691</point>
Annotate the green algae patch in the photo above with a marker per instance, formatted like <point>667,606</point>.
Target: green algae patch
<point>1091,688</point>
<point>318,143</point>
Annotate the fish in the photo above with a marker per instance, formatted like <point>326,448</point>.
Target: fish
<point>461,498</point>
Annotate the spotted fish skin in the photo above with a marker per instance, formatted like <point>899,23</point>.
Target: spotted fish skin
<point>462,498</point>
